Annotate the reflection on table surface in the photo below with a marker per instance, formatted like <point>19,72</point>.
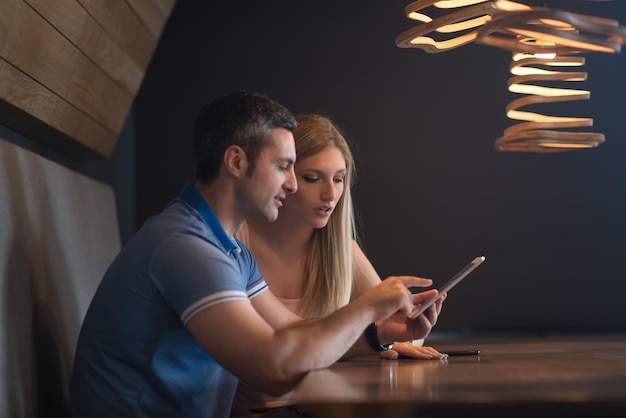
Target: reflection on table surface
<point>573,375</point>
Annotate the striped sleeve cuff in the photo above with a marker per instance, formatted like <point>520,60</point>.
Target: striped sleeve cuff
<point>212,300</point>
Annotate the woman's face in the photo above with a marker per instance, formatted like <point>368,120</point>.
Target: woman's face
<point>320,186</point>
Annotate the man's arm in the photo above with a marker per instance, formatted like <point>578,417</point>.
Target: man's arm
<point>279,316</point>
<point>273,361</point>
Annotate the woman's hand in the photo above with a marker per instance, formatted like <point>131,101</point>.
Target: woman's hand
<point>410,349</point>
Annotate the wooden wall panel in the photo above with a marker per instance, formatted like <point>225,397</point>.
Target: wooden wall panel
<point>67,16</point>
<point>39,50</point>
<point>124,27</point>
<point>76,65</point>
<point>108,55</point>
<point>98,95</point>
<point>149,14</point>
<point>165,6</point>
<point>22,92</point>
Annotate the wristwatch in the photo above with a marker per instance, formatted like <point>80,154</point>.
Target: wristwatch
<point>371,335</point>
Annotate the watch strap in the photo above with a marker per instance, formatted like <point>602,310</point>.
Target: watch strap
<point>371,336</point>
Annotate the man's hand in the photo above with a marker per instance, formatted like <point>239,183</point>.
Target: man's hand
<point>393,297</point>
<point>401,328</point>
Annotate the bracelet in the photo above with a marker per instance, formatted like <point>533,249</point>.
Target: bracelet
<point>371,335</point>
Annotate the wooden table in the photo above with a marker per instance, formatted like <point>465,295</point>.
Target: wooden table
<point>514,376</point>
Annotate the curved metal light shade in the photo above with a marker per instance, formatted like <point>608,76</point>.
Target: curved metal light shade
<point>556,31</point>
<point>523,30</point>
<point>536,133</point>
<point>542,31</point>
<point>460,26</point>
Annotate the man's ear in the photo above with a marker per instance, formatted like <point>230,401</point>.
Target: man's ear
<point>235,161</point>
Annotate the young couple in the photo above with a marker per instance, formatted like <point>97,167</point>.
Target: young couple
<point>183,312</point>
<point>309,256</point>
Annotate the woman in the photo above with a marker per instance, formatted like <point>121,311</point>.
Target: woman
<point>309,256</point>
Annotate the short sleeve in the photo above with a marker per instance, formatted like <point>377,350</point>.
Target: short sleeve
<point>193,274</point>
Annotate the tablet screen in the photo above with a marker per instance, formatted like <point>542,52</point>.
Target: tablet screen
<point>449,285</point>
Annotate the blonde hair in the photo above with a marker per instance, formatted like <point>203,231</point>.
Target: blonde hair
<point>328,280</point>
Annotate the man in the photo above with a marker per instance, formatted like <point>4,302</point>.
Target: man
<point>183,311</point>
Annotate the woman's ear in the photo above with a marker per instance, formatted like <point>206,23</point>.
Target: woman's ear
<point>235,161</point>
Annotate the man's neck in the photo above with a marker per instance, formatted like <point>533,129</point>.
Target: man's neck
<point>222,203</point>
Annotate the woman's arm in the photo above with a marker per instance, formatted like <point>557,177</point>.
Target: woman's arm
<point>366,277</point>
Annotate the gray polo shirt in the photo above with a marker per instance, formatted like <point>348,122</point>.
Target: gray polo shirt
<point>135,358</point>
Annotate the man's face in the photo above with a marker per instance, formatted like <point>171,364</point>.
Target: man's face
<point>264,191</point>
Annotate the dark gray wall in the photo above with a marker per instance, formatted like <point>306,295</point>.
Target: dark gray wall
<point>432,192</point>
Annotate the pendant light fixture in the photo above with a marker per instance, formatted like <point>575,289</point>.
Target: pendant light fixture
<point>456,28</point>
<point>540,39</point>
<point>538,132</point>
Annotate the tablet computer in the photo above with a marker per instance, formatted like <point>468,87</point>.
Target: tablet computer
<point>449,285</point>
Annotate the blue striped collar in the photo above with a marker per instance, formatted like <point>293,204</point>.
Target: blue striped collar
<point>194,199</point>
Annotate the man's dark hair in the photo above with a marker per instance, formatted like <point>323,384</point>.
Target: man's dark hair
<point>239,118</point>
